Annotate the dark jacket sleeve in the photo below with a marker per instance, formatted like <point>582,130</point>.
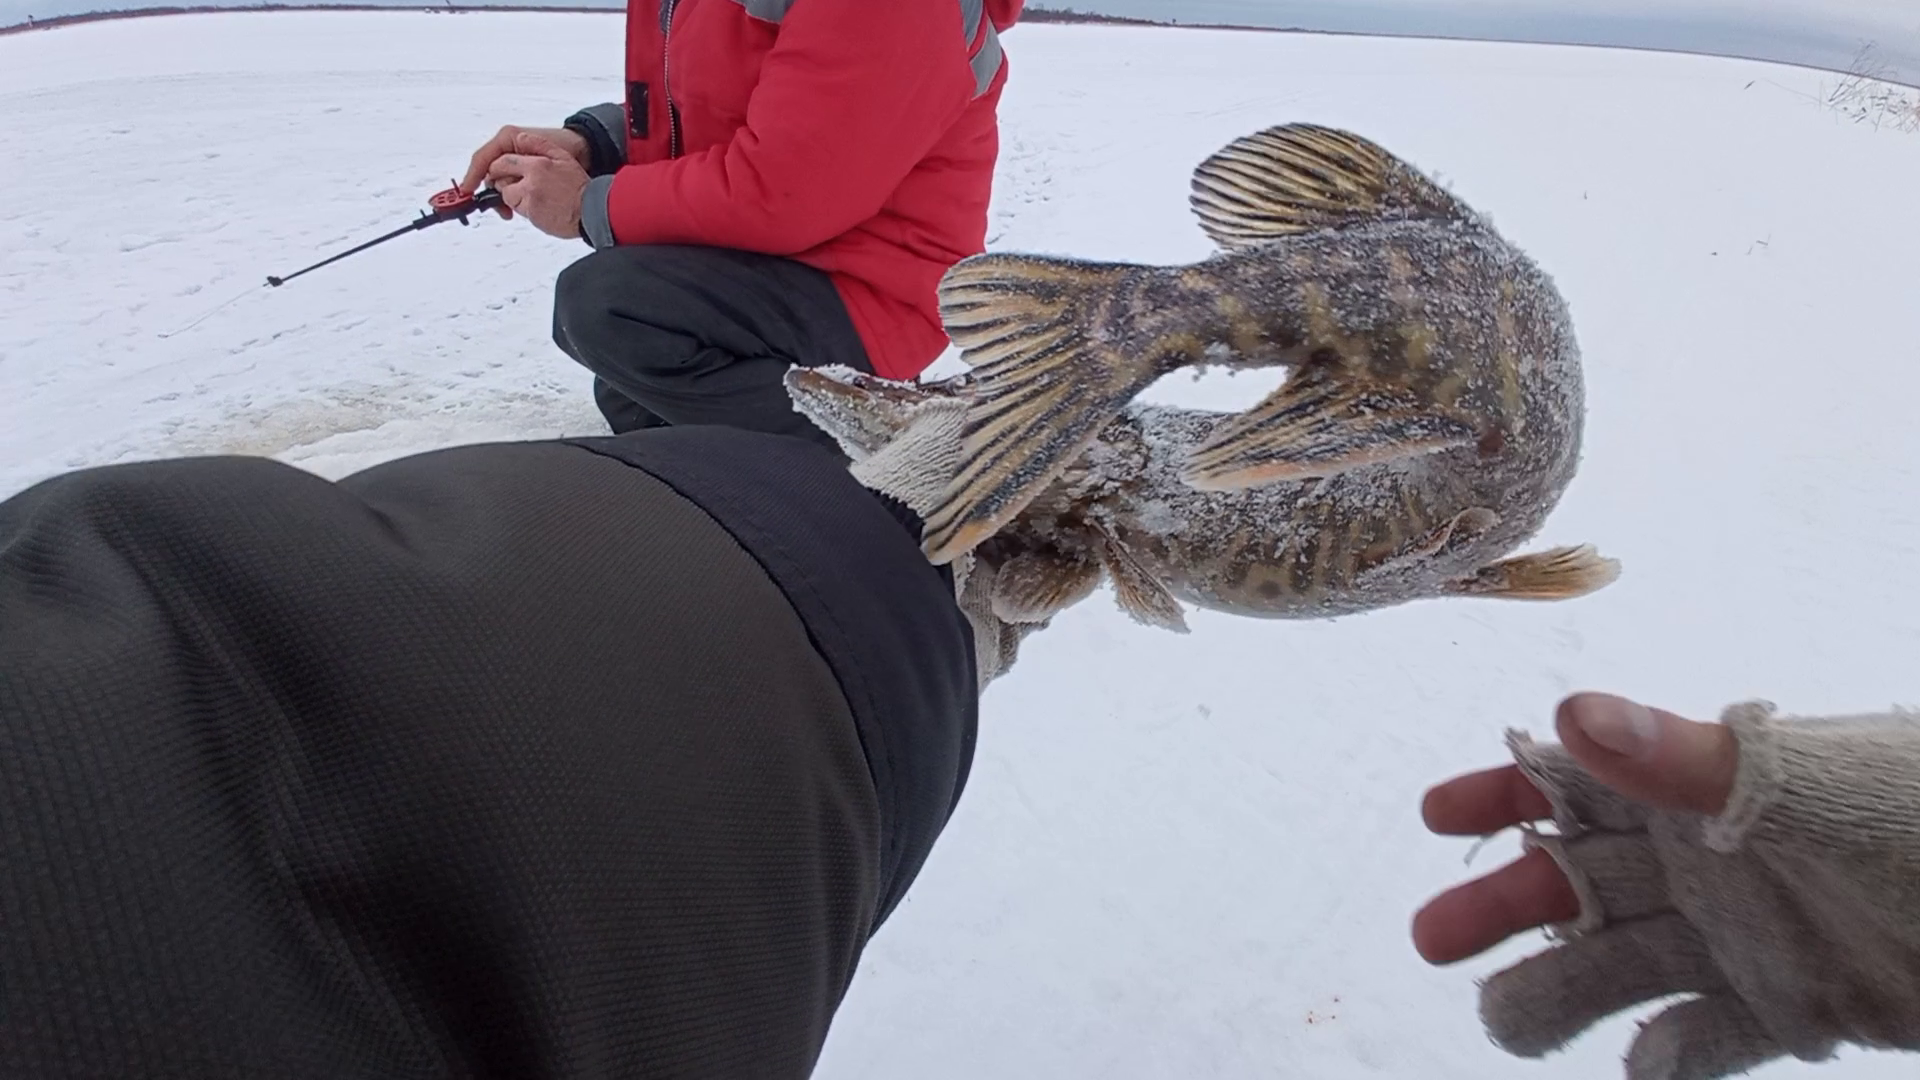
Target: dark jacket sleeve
<point>525,759</point>
<point>604,128</point>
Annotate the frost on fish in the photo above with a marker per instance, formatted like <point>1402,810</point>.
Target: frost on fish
<point>1430,418</point>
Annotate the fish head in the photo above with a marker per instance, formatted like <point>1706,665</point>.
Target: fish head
<point>862,412</point>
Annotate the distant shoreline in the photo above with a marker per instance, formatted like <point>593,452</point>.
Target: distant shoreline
<point>1032,15</point>
<point>1041,15</point>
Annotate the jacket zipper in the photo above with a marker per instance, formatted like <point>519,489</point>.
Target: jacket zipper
<point>666,82</point>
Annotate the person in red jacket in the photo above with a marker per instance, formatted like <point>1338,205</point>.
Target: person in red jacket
<point>785,183</point>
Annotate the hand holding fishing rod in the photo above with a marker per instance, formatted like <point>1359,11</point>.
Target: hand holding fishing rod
<point>544,168</point>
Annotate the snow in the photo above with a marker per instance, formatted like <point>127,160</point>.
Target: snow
<point>1178,855</point>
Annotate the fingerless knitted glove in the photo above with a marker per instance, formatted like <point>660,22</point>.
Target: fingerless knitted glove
<point>1793,918</point>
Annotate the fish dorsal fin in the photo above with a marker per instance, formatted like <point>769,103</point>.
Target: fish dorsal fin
<point>1298,178</point>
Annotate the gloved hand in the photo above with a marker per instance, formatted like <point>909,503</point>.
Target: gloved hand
<point>1788,907</point>
<point>915,469</point>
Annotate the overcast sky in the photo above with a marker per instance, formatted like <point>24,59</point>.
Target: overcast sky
<point>1821,33</point>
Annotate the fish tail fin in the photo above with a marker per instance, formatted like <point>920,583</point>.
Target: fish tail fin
<point>1562,573</point>
<point>1295,178</point>
<point>1055,351</point>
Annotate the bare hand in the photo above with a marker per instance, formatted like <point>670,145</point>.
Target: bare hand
<point>542,180</point>
<point>1650,755</point>
<point>505,143</point>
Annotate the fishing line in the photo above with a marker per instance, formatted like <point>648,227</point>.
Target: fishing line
<point>449,205</point>
<point>211,313</point>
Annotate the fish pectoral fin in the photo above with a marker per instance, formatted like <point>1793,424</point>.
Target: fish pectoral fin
<point>1462,528</point>
<point>1296,178</point>
<point>1034,586</point>
<point>1044,383</point>
<point>862,412</point>
<point>1562,573</point>
<point>1314,427</point>
<point>1142,597</point>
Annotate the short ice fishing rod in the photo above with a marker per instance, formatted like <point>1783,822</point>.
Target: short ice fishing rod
<point>449,205</point>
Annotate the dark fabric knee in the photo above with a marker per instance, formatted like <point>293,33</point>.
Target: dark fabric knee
<point>685,335</point>
<point>585,298</point>
<point>654,307</point>
<point>611,316</point>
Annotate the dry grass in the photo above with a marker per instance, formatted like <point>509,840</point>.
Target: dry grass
<point>1865,96</point>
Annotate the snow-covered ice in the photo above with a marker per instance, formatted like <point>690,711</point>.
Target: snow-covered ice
<point>1178,856</point>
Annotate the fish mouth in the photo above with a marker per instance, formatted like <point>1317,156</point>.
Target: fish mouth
<point>812,390</point>
<point>861,412</point>
<point>850,384</point>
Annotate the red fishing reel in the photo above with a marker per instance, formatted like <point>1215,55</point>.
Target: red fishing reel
<point>455,205</point>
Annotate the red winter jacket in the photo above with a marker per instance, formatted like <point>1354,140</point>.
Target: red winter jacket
<point>856,136</point>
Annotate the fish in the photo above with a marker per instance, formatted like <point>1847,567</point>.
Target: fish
<point>1122,513</point>
<point>1431,369</point>
<point>1429,422</point>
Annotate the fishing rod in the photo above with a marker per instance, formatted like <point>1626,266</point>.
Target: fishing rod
<point>449,205</point>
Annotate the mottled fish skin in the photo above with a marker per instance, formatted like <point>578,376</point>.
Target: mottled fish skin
<point>1444,325</point>
<point>1442,321</point>
<point>1443,314</point>
<point>1368,538</point>
<point>1430,420</point>
<point>1408,326</point>
<point>1365,539</point>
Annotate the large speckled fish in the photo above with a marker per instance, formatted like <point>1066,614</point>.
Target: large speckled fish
<point>1430,362</point>
<point>1429,423</point>
<point>1122,512</point>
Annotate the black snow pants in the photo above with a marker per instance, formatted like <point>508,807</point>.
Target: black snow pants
<point>701,335</point>
<point>586,758</point>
